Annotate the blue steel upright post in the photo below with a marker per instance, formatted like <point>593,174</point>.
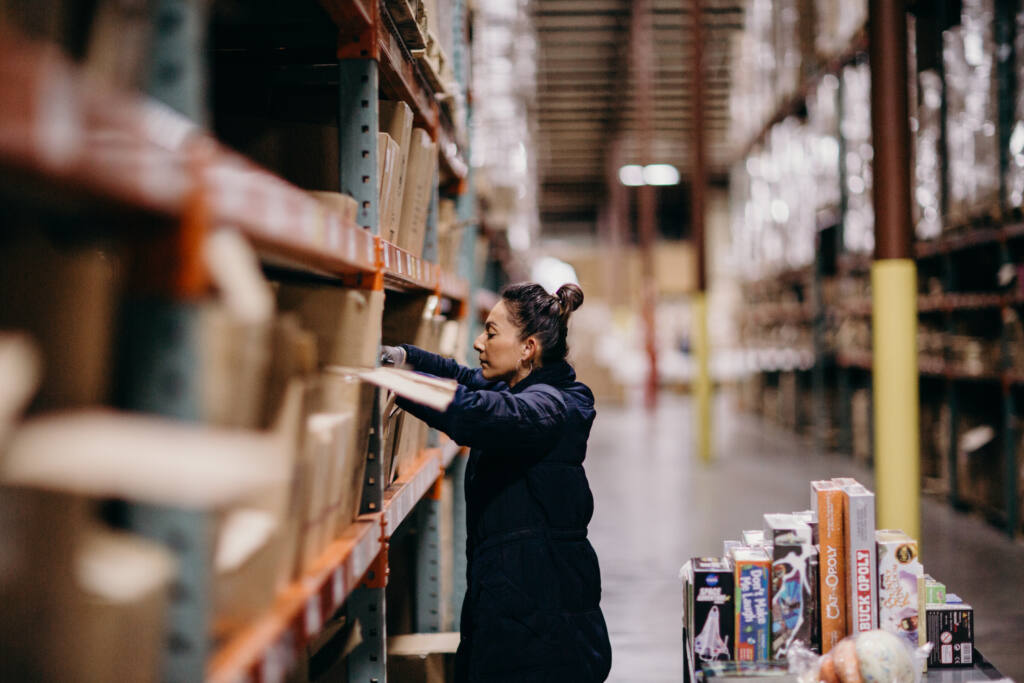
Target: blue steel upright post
<point>160,333</point>
<point>358,111</point>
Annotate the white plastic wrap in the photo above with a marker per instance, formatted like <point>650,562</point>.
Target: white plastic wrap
<point>823,129</point>
<point>972,144</point>
<point>1015,162</point>
<point>927,171</point>
<point>855,127</point>
<point>504,88</point>
<point>838,23</point>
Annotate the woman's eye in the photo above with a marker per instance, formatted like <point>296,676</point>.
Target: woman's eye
<point>490,336</point>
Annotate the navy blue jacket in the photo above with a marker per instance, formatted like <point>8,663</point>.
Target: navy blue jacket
<point>531,611</point>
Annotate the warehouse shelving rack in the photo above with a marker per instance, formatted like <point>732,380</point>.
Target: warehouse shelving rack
<point>840,372</point>
<point>110,149</point>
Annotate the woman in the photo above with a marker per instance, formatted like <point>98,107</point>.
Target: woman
<point>531,608</point>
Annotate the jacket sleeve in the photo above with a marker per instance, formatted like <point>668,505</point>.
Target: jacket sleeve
<point>439,366</point>
<point>497,419</point>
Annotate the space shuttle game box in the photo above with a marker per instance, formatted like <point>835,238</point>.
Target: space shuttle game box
<point>709,603</point>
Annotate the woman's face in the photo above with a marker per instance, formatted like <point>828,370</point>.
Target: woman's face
<point>503,355</point>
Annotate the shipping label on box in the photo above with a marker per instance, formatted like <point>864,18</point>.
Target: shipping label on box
<point>898,572</point>
<point>753,614</point>
<point>713,611</point>
<point>793,560</point>
<point>951,633</point>
<point>861,585</point>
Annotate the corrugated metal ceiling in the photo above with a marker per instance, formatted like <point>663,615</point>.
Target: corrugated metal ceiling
<point>586,97</point>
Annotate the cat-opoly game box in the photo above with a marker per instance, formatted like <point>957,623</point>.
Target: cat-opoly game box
<point>898,572</point>
<point>794,559</point>
<point>753,569</point>
<point>710,608</point>
<point>827,499</point>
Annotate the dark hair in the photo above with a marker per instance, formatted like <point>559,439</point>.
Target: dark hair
<point>538,313</point>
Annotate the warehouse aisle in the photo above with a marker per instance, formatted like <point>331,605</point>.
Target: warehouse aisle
<point>655,507</point>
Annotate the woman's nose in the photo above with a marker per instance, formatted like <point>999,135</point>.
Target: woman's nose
<point>478,344</point>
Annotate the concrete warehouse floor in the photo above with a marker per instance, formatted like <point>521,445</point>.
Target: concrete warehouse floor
<point>656,506</point>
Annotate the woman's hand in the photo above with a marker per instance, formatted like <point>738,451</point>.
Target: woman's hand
<point>392,355</point>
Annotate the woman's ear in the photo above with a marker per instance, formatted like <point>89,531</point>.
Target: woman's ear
<point>530,348</point>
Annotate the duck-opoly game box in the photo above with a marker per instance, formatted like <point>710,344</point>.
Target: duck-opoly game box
<point>709,601</point>
<point>794,584</point>
<point>753,569</point>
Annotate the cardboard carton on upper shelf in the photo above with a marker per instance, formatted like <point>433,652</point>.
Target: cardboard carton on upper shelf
<point>420,171</point>
<point>396,120</point>
<point>388,157</point>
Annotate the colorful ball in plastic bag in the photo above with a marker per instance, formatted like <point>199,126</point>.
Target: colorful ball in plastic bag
<point>883,658</point>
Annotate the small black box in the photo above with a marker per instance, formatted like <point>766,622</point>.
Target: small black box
<point>950,630</point>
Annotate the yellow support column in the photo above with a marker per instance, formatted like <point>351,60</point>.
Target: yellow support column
<point>702,379</point>
<point>895,374</point>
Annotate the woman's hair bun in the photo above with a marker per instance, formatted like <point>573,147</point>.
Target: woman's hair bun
<point>570,297</point>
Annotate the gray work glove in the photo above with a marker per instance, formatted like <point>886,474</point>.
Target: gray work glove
<point>392,355</point>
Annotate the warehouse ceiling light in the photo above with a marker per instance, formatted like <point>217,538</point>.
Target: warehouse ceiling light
<point>631,175</point>
<point>661,174</point>
<point>635,175</point>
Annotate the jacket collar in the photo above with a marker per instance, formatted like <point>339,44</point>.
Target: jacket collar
<point>556,374</point>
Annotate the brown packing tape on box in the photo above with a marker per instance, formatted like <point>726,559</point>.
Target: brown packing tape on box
<point>420,170</point>
<point>346,322</point>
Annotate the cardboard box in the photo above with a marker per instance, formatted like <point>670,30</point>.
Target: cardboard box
<point>422,657</point>
<point>793,593</point>
<point>122,583</point>
<point>342,204</point>
<point>861,584</point>
<point>396,120</point>
<point>66,300</point>
<point>712,609</point>
<point>950,629</point>
<point>388,156</point>
<point>899,570</point>
<point>827,499</point>
<point>753,569</point>
<point>346,322</point>
<point>420,170</point>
